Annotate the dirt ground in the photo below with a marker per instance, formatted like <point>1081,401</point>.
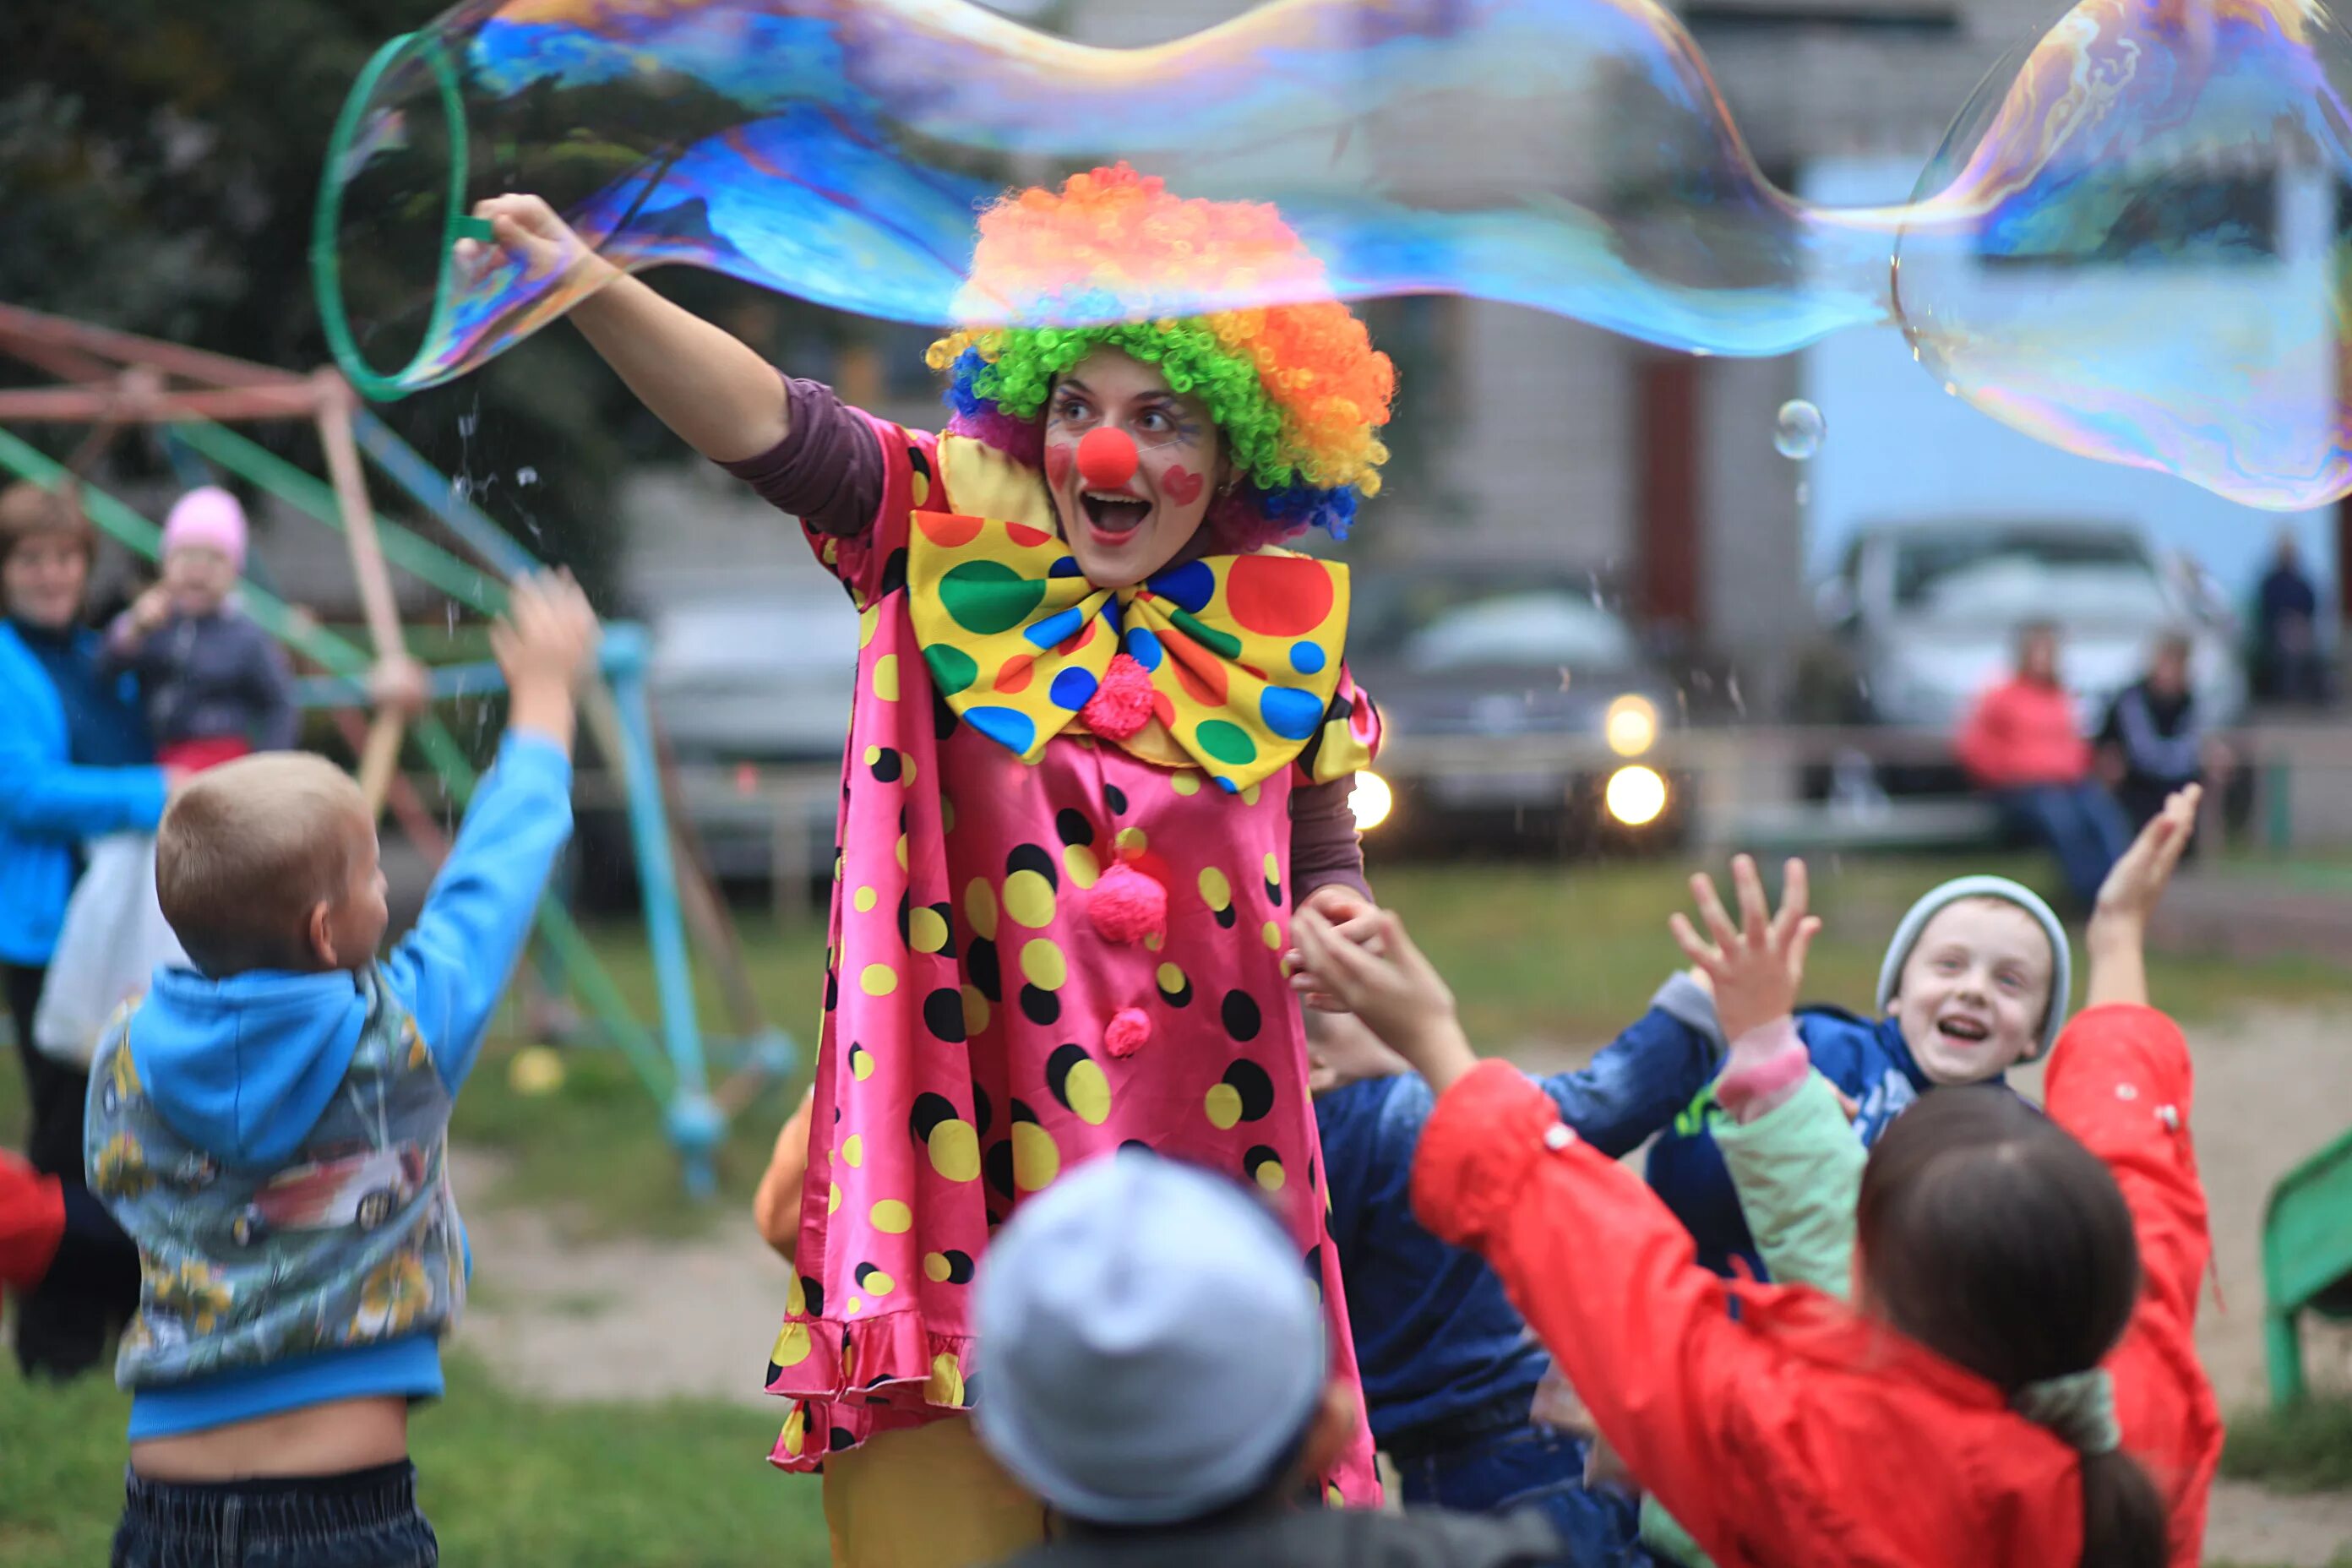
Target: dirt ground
<point>642,1320</point>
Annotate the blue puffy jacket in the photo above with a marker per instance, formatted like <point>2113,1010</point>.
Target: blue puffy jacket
<point>1866,1058</point>
<point>49,806</point>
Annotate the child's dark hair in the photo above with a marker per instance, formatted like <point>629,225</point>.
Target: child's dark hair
<point>1992,1236</point>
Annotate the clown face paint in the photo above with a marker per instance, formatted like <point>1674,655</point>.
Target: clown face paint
<point>1123,531</point>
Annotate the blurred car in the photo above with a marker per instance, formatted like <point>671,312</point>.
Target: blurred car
<point>1462,658</point>
<point>1920,617</point>
<point>744,682</point>
<point>362,1187</point>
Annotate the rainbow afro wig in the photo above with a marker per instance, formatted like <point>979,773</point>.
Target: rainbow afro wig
<point>1297,391</point>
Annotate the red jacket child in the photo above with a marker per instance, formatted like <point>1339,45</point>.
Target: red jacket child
<point>1801,1432</point>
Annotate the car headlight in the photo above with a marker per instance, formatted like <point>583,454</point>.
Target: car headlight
<point>1635,796</point>
<point>1371,800</point>
<point>1631,725</point>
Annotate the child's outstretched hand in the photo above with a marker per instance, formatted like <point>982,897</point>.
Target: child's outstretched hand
<point>1386,981</point>
<point>2128,896</point>
<point>1757,966</point>
<point>545,644</point>
<point>2137,882</point>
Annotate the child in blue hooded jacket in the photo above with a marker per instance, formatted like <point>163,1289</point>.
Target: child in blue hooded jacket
<point>1449,1368</point>
<point>271,1128</point>
<point>1975,981</point>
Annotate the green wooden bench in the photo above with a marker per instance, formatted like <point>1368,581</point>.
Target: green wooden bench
<point>2307,1260</point>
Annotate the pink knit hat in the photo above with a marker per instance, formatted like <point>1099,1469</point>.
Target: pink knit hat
<point>209,517</point>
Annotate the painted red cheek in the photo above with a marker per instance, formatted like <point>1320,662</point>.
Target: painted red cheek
<point>1057,463</point>
<point>1183,485</point>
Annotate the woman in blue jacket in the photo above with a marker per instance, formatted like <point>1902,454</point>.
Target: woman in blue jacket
<point>74,763</point>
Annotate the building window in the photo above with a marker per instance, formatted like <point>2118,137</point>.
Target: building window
<point>2183,217</point>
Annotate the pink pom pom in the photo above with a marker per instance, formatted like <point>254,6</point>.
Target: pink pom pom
<point>1122,704</point>
<point>1127,905</point>
<point>1130,1030</point>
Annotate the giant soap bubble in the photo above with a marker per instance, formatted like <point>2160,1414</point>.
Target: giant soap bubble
<point>1572,155</point>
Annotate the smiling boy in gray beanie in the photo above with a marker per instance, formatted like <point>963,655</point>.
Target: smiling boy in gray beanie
<point>1157,1374</point>
<point>1975,981</point>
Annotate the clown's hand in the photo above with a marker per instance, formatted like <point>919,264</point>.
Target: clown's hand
<point>1353,918</point>
<point>1385,981</point>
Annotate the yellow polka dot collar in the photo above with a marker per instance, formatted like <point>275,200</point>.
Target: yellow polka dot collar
<point>1234,659</point>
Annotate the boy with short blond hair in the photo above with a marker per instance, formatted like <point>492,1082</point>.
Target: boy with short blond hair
<point>272,1127</point>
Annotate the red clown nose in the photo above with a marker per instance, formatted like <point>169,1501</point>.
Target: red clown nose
<point>1107,459</point>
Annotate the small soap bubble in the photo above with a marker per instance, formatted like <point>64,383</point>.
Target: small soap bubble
<point>1796,432</point>
<point>527,476</point>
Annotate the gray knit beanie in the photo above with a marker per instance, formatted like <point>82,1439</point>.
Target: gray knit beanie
<point>1906,937</point>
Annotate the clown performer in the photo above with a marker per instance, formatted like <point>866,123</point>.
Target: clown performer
<point>1100,750</point>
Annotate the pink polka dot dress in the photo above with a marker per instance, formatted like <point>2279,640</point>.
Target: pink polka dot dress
<point>1047,945</point>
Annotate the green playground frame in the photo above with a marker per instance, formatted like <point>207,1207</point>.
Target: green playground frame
<point>671,1059</point>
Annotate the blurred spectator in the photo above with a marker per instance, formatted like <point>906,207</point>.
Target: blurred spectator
<point>2154,742</point>
<point>2021,745</point>
<point>74,763</point>
<point>2289,666</point>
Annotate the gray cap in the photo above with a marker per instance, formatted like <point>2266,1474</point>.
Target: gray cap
<point>1150,1346</point>
<point>2061,957</point>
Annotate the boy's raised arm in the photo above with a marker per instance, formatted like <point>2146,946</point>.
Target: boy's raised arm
<point>453,968</point>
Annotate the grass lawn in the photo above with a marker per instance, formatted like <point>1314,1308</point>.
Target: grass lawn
<point>505,1480</point>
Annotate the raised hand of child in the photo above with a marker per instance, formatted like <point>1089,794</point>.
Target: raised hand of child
<point>1353,918</point>
<point>150,609</point>
<point>1755,967</point>
<point>2128,896</point>
<point>1386,981</point>
<point>545,644</point>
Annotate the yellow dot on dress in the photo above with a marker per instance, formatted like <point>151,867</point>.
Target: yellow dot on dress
<point>877,980</point>
<point>1079,863</point>
<point>865,899</point>
<point>928,930</point>
<point>792,1346</point>
<point>885,677</point>
<point>795,1434</point>
<point>975,1012</point>
<point>1272,934</point>
<point>892,1217</point>
<point>1042,964</point>
<point>1185,782</point>
<point>854,1307</point>
<point>1273,868</point>
<point>868,619</point>
<point>1224,1107</point>
<point>980,908</point>
<point>1215,891</point>
<point>852,1149</point>
<point>1131,841</point>
<point>947,815</point>
<point>1036,1161</point>
<point>1029,899</point>
<point>873,755</point>
<point>955,1150</point>
<point>936,1267</point>
<point>902,851</point>
<point>1249,794</point>
<point>832,1199</point>
<point>945,1386</point>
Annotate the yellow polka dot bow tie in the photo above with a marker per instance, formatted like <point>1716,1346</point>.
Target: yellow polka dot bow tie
<point>1236,657</point>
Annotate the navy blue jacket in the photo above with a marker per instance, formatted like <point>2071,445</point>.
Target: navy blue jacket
<point>1436,1337</point>
<point>1867,1059</point>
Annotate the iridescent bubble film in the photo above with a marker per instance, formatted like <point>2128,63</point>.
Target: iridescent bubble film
<point>1572,155</point>
<point>1798,430</point>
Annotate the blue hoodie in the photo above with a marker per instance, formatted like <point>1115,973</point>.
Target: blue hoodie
<point>1867,1060</point>
<point>49,800</point>
<point>275,1143</point>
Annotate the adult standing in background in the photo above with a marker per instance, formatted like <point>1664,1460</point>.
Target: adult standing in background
<point>74,763</point>
<point>2289,666</point>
